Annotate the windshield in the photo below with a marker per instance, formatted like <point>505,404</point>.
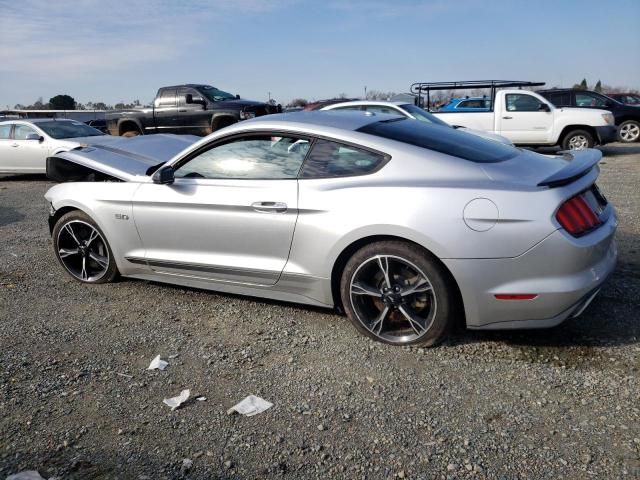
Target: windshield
<point>68,129</point>
<point>423,115</point>
<point>448,141</point>
<point>215,95</point>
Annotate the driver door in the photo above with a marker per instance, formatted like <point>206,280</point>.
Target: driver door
<point>230,214</point>
<point>27,156</point>
<point>523,120</point>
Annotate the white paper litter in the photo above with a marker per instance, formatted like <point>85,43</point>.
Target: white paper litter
<point>201,399</point>
<point>175,402</point>
<point>250,406</point>
<point>26,475</point>
<point>156,363</point>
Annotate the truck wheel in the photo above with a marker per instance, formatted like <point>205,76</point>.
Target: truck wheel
<point>629,131</point>
<point>221,123</point>
<point>577,140</point>
<point>131,133</point>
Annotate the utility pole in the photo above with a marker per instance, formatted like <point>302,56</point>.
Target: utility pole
<point>365,92</point>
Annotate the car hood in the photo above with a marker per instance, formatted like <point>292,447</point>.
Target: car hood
<point>533,170</point>
<point>583,111</point>
<point>119,157</point>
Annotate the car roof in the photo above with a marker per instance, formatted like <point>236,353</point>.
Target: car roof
<point>323,118</point>
<point>35,121</point>
<point>355,103</point>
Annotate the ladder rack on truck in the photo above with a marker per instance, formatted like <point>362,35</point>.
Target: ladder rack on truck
<point>420,88</point>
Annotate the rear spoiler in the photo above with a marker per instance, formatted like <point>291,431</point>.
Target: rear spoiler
<point>580,163</point>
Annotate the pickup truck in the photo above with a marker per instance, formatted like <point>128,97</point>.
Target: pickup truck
<point>186,109</point>
<point>528,119</point>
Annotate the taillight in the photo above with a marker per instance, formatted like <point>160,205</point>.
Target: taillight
<point>576,216</point>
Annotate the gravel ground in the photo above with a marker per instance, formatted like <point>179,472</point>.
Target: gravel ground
<point>76,400</point>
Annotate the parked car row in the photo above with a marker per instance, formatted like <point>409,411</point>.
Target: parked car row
<point>625,108</point>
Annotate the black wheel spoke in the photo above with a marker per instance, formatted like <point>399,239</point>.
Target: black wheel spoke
<point>413,320</point>
<point>69,230</point>
<point>383,263</point>
<point>67,252</point>
<point>376,326</point>
<point>363,289</point>
<point>422,285</point>
<point>99,259</point>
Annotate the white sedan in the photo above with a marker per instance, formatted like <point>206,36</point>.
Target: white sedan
<point>25,144</point>
<point>409,110</point>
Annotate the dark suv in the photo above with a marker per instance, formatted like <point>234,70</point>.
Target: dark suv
<point>627,117</point>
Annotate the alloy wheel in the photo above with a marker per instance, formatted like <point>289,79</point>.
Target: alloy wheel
<point>82,251</point>
<point>578,142</point>
<point>629,132</point>
<point>393,299</point>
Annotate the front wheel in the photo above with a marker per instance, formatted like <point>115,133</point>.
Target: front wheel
<point>577,140</point>
<point>82,249</point>
<point>397,293</point>
<point>629,131</point>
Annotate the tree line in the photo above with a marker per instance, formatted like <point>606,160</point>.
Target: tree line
<point>67,102</point>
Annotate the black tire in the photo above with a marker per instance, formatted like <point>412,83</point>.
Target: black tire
<point>82,249</point>
<point>404,262</point>
<point>577,138</point>
<point>629,131</point>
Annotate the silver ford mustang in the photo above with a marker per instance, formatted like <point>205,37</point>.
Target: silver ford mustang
<point>408,227</point>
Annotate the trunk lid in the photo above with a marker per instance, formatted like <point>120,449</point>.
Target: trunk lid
<point>535,170</point>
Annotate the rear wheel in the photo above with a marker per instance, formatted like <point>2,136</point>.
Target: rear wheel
<point>629,131</point>
<point>577,140</point>
<point>131,133</point>
<point>396,293</point>
<point>82,249</point>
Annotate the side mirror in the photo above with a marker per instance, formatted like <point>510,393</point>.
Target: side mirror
<point>544,108</point>
<point>34,136</point>
<point>164,175</point>
<point>188,98</point>
<point>237,97</point>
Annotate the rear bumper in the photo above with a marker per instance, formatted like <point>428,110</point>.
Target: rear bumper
<point>607,134</point>
<point>564,272</point>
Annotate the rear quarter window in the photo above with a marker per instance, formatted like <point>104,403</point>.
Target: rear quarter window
<point>441,139</point>
<point>329,159</point>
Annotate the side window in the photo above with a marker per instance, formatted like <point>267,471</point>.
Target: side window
<point>350,109</point>
<point>254,157</point>
<point>5,132</point>
<point>331,159</point>
<point>182,95</point>
<point>522,103</point>
<point>21,132</point>
<point>167,98</point>
<point>560,99</point>
<point>588,100</point>
<point>383,109</point>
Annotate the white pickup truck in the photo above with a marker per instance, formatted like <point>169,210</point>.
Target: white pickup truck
<point>526,118</point>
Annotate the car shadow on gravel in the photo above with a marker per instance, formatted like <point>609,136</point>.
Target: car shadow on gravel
<point>614,150</point>
<point>31,177</point>
<point>10,215</point>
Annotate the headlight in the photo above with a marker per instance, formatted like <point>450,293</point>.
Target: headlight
<point>608,118</point>
<point>246,115</point>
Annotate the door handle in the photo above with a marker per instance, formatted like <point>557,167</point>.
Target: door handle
<point>269,207</point>
<point>181,111</point>
<point>507,118</point>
